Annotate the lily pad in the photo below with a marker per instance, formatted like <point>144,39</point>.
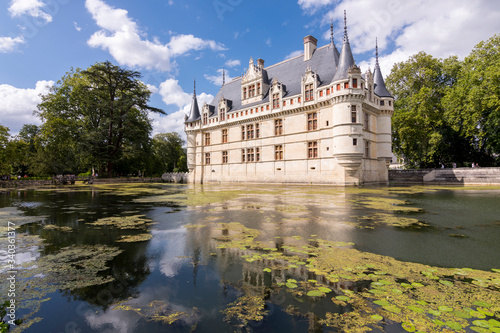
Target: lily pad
<point>408,327</point>
<point>315,293</point>
<point>453,325</point>
<point>343,298</point>
<point>377,317</point>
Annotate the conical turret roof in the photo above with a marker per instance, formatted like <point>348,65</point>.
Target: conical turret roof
<point>194,114</point>
<point>346,59</point>
<point>378,80</point>
<point>336,54</point>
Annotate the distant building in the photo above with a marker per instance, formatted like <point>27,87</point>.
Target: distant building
<point>313,119</point>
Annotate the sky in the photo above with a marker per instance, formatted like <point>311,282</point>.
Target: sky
<point>173,42</point>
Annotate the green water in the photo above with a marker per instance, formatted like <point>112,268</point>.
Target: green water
<point>203,252</point>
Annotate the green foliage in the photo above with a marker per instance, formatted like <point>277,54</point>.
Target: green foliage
<point>447,110</point>
<point>95,118</point>
<point>420,132</point>
<point>473,103</point>
<point>168,154</point>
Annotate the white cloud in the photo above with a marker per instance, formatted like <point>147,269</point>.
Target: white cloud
<point>18,104</point>
<point>294,54</point>
<point>269,42</point>
<point>77,27</point>
<point>9,44</point>
<point>312,6</point>
<point>172,94</point>
<point>218,78</point>
<point>121,37</point>
<point>29,7</point>
<point>232,63</point>
<point>440,28</point>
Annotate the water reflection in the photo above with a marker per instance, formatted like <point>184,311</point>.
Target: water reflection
<point>186,275</point>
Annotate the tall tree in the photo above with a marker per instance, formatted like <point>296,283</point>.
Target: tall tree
<point>420,132</point>
<point>96,117</point>
<point>168,153</point>
<point>473,103</point>
<point>4,140</point>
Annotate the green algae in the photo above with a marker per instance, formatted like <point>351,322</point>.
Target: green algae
<point>70,268</point>
<point>57,228</point>
<point>135,238</point>
<point>245,309</point>
<point>159,311</point>
<point>123,222</point>
<point>418,297</point>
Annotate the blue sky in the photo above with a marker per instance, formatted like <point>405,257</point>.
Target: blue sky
<point>172,42</point>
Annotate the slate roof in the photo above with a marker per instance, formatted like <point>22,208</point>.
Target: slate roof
<point>289,73</point>
<point>194,113</point>
<point>378,80</point>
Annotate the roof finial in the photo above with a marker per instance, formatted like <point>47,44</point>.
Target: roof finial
<point>194,89</point>
<point>376,52</point>
<point>223,76</point>
<point>331,32</point>
<point>346,38</point>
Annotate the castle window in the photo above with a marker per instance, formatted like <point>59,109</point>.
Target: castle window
<point>381,103</point>
<point>321,93</point>
<point>250,155</point>
<point>250,132</point>
<point>243,155</point>
<point>278,152</point>
<point>354,117</point>
<point>367,149</point>
<point>309,94</point>
<point>312,121</point>
<point>354,83</point>
<point>205,118</point>
<point>224,157</point>
<point>251,90</point>
<point>312,149</point>
<point>338,86</point>
<point>257,154</point>
<point>354,142</point>
<point>366,121</point>
<point>242,132</point>
<point>258,88</point>
<point>346,85</point>
<point>223,114</point>
<point>267,107</point>
<point>389,103</point>
<point>327,91</point>
<point>299,99</point>
<point>207,158</point>
<point>224,136</point>
<point>244,93</point>
<point>257,131</point>
<point>276,101</point>
<point>207,139</point>
<point>291,101</point>
<point>284,103</point>
<point>278,126</point>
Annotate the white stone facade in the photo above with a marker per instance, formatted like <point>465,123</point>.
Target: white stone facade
<point>307,130</point>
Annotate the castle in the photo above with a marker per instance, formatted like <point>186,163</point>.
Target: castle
<point>311,119</point>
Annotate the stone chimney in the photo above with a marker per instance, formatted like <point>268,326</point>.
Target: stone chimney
<point>310,44</point>
<point>260,63</point>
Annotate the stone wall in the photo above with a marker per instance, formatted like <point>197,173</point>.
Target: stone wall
<point>458,176</point>
<point>175,177</point>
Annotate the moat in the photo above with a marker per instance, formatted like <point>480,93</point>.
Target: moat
<point>180,258</point>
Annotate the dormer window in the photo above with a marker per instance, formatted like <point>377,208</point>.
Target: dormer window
<point>276,101</point>
<point>309,92</point>
<point>205,118</point>
<point>244,93</point>
<point>222,114</point>
<point>354,83</point>
<point>258,88</point>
